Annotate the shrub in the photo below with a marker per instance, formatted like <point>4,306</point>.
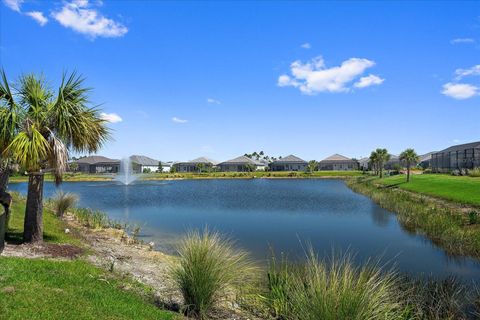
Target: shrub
<point>209,267</point>
<point>474,172</point>
<point>335,289</point>
<point>473,217</point>
<point>62,201</point>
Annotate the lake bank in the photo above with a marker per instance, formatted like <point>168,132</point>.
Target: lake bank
<point>451,225</point>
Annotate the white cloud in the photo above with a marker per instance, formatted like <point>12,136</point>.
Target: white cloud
<point>368,81</point>
<point>473,71</point>
<point>38,16</point>
<point>306,45</point>
<point>213,101</point>
<point>313,77</point>
<point>462,40</point>
<point>79,16</point>
<point>13,4</point>
<point>459,91</point>
<point>178,120</point>
<point>111,117</point>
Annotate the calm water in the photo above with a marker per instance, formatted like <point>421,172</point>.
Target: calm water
<point>262,214</point>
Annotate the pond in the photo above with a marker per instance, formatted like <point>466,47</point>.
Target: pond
<point>284,215</point>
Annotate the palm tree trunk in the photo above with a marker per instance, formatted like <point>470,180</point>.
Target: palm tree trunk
<point>33,227</point>
<point>5,197</point>
<point>408,172</point>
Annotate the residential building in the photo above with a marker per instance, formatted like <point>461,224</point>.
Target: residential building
<point>195,165</point>
<point>338,162</point>
<point>97,164</point>
<point>242,164</point>
<point>462,156</point>
<point>289,163</point>
<point>143,164</point>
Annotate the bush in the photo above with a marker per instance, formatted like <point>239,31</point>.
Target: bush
<point>474,172</point>
<point>209,267</point>
<point>62,201</point>
<point>473,217</point>
<point>336,289</point>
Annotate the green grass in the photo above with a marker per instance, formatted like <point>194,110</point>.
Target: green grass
<point>463,190</point>
<point>54,228</point>
<point>72,177</point>
<point>47,289</point>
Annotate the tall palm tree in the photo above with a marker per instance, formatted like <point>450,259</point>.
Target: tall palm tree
<point>374,162</point>
<point>409,156</point>
<point>382,157</point>
<point>47,127</point>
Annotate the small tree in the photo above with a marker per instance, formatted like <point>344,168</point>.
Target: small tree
<point>410,157</point>
<point>160,167</point>
<point>200,167</point>
<point>312,166</point>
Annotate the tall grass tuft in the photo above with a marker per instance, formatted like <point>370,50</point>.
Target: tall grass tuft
<point>474,172</point>
<point>334,289</point>
<point>210,268</point>
<point>63,201</point>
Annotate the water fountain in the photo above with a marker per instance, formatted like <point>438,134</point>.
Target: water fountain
<point>126,175</point>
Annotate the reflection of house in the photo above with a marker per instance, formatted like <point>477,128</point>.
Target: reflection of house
<point>463,156</point>
<point>195,165</point>
<point>289,163</point>
<point>242,164</point>
<point>338,162</point>
<point>143,164</point>
<point>97,164</point>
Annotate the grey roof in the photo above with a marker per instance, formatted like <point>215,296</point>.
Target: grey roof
<point>242,160</point>
<point>144,160</point>
<point>426,156</point>
<point>96,159</point>
<point>337,157</point>
<point>289,159</point>
<point>199,160</point>
<point>460,147</point>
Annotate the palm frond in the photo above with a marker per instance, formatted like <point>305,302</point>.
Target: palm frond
<point>58,157</point>
<point>35,96</point>
<point>5,92</point>
<point>29,149</point>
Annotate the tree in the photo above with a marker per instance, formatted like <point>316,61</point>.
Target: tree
<point>382,157</point>
<point>200,167</point>
<point>312,166</point>
<point>409,156</point>
<point>374,162</point>
<point>46,126</point>
<point>160,167</point>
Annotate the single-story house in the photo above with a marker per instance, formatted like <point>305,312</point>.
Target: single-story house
<point>338,162</point>
<point>167,166</point>
<point>393,162</point>
<point>242,164</point>
<point>425,160</point>
<point>462,156</point>
<point>97,164</point>
<point>195,165</point>
<point>142,164</point>
<point>364,163</point>
<point>289,163</point>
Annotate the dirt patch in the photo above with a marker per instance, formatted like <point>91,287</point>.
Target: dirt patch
<point>43,250</point>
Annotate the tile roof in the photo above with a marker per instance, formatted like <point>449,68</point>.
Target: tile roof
<point>144,160</point>
<point>459,147</point>
<point>96,159</point>
<point>337,157</point>
<point>242,160</point>
<point>290,159</point>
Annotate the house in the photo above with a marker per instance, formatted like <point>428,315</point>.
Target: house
<point>425,160</point>
<point>364,163</point>
<point>462,156</point>
<point>143,164</point>
<point>289,163</point>
<point>393,162</point>
<point>167,166</point>
<point>195,165</point>
<point>242,164</point>
<point>97,164</point>
<point>338,162</point>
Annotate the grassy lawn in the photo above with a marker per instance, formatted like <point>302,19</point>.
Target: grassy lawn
<point>72,289</point>
<point>73,177</point>
<point>464,190</point>
<point>48,289</point>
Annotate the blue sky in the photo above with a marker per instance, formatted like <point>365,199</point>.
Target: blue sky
<point>219,79</point>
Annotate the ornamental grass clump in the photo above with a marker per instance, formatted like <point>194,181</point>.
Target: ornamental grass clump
<point>333,289</point>
<point>209,270</point>
<point>63,201</point>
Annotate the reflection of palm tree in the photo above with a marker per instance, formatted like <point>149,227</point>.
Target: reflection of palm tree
<point>410,157</point>
<point>45,127</point>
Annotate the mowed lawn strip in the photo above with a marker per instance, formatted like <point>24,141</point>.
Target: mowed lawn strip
<point>463,190</point>
<point>49,289</point>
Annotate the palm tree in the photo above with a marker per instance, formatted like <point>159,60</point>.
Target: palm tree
<point>312,166</point>
<point>46,127</point>
<point>382,157</point>
<point>410,157</point>
<point>374,162</point>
